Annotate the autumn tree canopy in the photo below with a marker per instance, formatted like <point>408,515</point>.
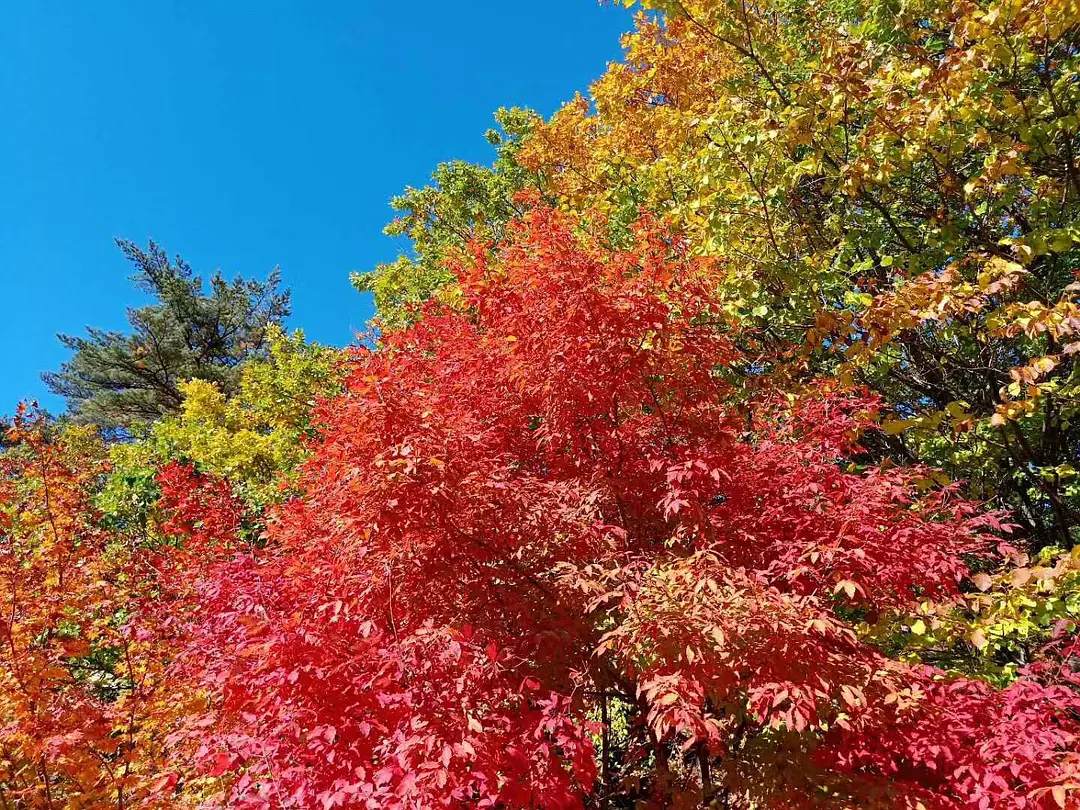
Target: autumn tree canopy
<point>713,448</point>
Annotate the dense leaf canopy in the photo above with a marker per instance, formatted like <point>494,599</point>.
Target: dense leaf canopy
<point>715,447</point>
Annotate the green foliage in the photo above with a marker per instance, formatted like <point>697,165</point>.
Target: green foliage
<point>118,380</point>
<point>1001,624</point>
<point>464,202</point>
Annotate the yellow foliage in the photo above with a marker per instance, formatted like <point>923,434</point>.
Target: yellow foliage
<point>255,439</point>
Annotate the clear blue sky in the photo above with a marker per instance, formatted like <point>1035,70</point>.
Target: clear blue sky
<point>244,135</point>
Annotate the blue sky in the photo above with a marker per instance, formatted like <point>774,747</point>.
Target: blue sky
<point>244,135</point>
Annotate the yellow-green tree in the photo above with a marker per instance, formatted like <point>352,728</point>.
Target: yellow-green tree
<point>255,440</point>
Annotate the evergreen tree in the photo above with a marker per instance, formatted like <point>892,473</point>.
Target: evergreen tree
<point>117,379</point>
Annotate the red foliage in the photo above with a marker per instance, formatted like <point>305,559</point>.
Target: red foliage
<point>545,495</point>
<point>324,707</point>
<point>199,508</point>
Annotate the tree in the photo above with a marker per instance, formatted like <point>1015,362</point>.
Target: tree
<point>118,380</point>
<point>542,558</point>
<point>647,496</point>
<point>465,202</point>
<point>256,439</point>
<point>877,178</point>
<point>82,691</point>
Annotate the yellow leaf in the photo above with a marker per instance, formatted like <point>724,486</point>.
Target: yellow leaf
<point>1046,364</point>
<point>895,426</point>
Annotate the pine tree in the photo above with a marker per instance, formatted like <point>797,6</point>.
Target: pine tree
<point>118,380</point>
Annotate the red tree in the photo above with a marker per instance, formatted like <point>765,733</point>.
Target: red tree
<point>542,560</point>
